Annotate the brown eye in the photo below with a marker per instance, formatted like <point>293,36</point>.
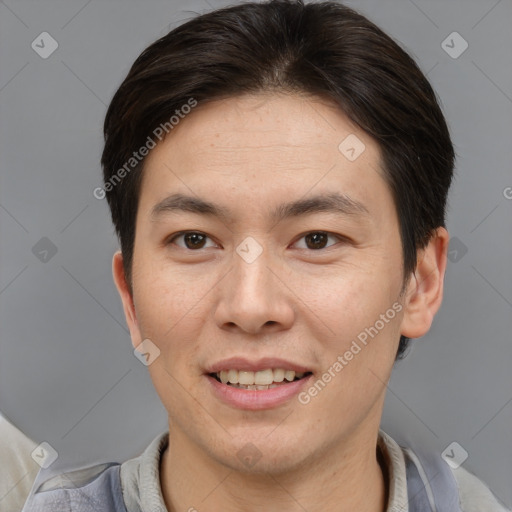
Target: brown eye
<point>316,240</point>
<point>194,240</point>
<point>191,240</point>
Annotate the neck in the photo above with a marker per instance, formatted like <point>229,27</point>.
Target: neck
<point>348,477</point>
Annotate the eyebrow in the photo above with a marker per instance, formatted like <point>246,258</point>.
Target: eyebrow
<point>332,203</point>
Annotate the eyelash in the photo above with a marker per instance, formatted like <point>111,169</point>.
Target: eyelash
<point>172,238</point>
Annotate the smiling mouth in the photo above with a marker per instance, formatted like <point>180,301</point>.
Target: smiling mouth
<point>260,380</point>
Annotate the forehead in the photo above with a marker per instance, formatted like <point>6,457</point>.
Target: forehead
<point>288,124</point>
<point>261,147</point>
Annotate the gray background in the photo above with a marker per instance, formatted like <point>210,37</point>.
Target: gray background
<point>68,375</point>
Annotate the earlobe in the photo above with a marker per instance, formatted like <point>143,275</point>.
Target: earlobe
<point>126,297</point>
<point>424,293</point>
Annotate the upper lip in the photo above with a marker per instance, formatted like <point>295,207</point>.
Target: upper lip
<point>264,363</point>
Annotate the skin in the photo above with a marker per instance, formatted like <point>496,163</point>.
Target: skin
<point>200,305</point>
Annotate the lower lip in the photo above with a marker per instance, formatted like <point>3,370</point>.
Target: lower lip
<point>256,400</point>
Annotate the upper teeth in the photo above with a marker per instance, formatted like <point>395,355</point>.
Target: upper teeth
<point>262,378</point>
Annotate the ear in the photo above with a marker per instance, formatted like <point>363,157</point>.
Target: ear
<point>425,288</point>
<point>126,298</point>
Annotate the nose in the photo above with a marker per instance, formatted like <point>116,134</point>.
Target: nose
<point>254,297</point>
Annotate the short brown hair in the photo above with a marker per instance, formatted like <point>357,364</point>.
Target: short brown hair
<point>324,49</point>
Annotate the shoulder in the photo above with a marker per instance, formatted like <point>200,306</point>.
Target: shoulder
<point>421,479</point>
<point>18,470</point>
<point>474,494</point>
<point>93,489</point>
<point>111,487</point>
<point>444,484</point>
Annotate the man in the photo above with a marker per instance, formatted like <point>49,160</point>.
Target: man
<point>277,174</point>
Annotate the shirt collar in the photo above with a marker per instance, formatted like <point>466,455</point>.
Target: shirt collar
<point>140,476</point>
<point>397,478</point>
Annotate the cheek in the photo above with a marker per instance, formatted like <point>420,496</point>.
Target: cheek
<point>344,301</point>
<point>166,293</point>
<point>358,358</point>
<point>171,311</point>
<point>355,314</point>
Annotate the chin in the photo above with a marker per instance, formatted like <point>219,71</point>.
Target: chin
<point>260,454</point>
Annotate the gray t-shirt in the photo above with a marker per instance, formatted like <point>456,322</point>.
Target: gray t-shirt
<point>418,482</point>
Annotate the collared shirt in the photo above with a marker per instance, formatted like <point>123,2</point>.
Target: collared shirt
<point>418,482</point>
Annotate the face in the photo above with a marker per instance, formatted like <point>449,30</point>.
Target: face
<point>261,245</point>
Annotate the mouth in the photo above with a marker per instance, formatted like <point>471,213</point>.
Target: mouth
<point>260,380</point>
<point>256,386</point>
